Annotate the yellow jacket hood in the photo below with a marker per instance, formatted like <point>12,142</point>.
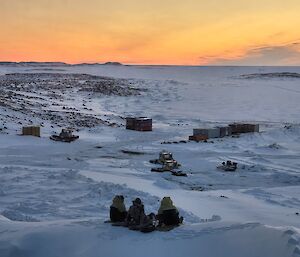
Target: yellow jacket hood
<point>166,204</point>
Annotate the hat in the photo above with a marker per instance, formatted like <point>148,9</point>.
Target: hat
<point>137,201</point>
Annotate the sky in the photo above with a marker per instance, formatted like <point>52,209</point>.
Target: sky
<point>174,32</point>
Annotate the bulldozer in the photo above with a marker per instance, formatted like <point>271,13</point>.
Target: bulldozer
<point>167,166</point>
<point>164,157</point>
<point>64,136</point>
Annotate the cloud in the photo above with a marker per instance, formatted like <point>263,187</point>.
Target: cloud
<point>288,54</point>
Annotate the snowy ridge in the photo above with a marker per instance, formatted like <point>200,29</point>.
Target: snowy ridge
<point>103,240</point>
<point>271,75</point>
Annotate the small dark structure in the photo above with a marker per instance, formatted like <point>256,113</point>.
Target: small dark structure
<point>31,131</point>
<point>139,124</point>
<point>64,136</point>
<point>238,128</point>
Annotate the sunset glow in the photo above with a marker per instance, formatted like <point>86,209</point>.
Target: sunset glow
<point>190,32</point>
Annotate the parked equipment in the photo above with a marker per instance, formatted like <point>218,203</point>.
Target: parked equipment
<point>228,166</point>
<point>170,166</point>
<point>167,166</point>
<point>164,157</point>
<point>64,136</point>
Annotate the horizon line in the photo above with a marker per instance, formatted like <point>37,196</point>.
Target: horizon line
<point>116,63</point>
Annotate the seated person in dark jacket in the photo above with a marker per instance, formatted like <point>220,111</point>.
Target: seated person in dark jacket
<point>118,211</point>
<point>137,219</point>
<point>135,213</point>
<point>168,214</point>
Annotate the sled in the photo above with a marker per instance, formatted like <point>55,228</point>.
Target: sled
<point>227,167</point>
<point>118,224</point>
<point>165,228</point>
<point>148,229</point>
<point>158,170</point>
<point>178,173</point>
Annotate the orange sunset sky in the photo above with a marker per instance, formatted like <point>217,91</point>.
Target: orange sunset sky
<point>180,32</point>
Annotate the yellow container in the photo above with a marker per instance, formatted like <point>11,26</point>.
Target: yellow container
<point>31,131</point>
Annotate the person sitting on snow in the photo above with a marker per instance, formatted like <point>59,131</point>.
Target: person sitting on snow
<point>136,213</point>
<point>118,211</point>
<point>168,214</point>
<point>137,219</point>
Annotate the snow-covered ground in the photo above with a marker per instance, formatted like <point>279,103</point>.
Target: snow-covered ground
<point>55,197</point>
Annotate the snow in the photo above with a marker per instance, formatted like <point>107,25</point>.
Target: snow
<point>55,197</point>
<point>92,238</point>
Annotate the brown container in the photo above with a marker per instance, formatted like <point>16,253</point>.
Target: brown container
<point>31,131</point>
<point>253,128</point>
<point>198,137</point>
<point>238,128</point>
<point>139,124</point>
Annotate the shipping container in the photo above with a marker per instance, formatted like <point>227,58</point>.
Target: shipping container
<point>139,124</point>
<point>198,138</point>
<point>253,127</point>
<point>210,133</point>
<point>238,128</point>
<point>225,131</point>
<point>31,131</point>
